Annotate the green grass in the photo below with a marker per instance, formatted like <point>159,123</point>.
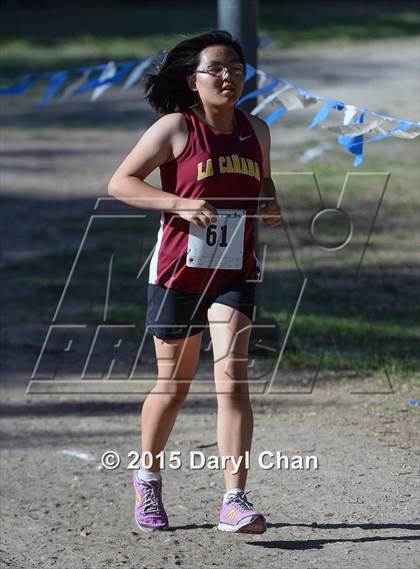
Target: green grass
<point>350,344</point>
<point>53,38</point>
<point>355,328</point>
<point>399,158</point>
<point>325,22</point>
<point>121,314</point>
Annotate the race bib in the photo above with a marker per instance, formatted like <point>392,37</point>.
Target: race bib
<point>221,244</point>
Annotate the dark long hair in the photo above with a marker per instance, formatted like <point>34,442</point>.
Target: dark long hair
<point>167,89</point>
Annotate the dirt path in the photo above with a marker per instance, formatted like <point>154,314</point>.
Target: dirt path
<point>359,509</point>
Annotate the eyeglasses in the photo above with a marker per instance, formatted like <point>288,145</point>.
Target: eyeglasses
<point>218,70</point>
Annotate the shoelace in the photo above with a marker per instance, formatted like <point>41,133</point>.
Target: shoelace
<point>242,501</point>
<point>151,502</point>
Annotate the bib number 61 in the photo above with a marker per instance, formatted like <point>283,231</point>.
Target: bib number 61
<point>211,236</point>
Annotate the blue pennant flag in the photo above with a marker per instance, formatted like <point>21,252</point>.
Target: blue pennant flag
<point>249,72</point>
<point>277,113</point>
<point>26,82</point>
<point>324,112</point>
<point>354,144</point>
<point>260,91</point>
<point>56,80</point>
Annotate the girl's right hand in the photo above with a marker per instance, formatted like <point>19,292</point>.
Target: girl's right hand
<point>199,212</point>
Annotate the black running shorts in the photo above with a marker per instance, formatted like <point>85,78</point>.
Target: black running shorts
<point>173,314</point>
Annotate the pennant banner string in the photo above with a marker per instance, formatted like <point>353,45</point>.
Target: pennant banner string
<point>275,92</point>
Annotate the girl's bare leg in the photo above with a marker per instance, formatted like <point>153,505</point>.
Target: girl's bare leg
<point>230,340</point>
<point>177,363</point>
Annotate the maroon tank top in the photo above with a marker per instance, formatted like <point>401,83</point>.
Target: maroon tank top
<point>224,169</point>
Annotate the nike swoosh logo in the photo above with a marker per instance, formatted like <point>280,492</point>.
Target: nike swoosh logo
<point>242,138</point>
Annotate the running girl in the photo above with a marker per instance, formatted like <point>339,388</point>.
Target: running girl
<point>214,165</point>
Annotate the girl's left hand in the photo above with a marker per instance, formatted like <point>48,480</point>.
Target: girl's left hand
<point>270,212</point>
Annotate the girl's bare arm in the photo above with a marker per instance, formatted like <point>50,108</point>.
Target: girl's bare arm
<point>163,141</point>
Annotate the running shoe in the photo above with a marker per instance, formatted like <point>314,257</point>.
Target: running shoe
<point>149,512</point>
<point>238,515</point>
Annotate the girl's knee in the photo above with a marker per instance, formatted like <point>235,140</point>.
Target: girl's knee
<point>175,392</point>
<point>233,391</point>
<point>232,368</point>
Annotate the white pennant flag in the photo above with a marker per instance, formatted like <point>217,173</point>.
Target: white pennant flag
<point>109,71</point>
<point>268,100</point>
<point>292,100</point>
<point>410,133</point>
<point>137,73</point>
<point>75,86</point>
<point>261,78</point>
<point>349,112</point>
<point>355,129</point>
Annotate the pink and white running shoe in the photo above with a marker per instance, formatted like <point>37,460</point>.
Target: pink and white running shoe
<point>149,512</point>
<point>238,515</point>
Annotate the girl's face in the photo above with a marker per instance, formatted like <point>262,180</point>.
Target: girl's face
<point>219,77</point>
